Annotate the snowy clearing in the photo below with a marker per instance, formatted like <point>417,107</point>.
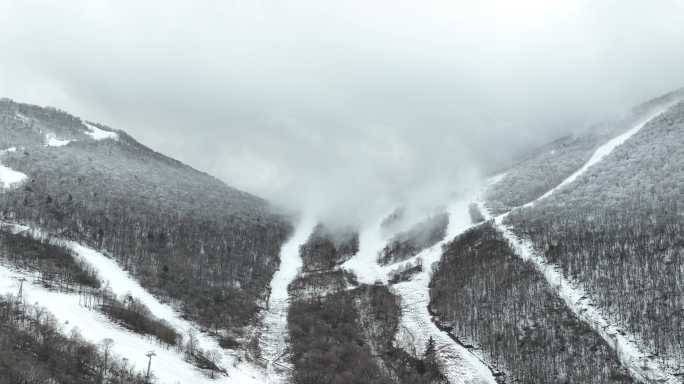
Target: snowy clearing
<point>457,363</point>
<point>631,356</point>
<point>273,339</point>
<point>100,134</point>
<point>8,176</point>
<point>53,141</point>
<point>121,283</point>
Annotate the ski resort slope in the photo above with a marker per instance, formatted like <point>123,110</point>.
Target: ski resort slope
<point>415,324</point>
<point>121,283</point>
<point>364,264</point>
<point>168,365</point>
<point>273,338</point>
<point>643,368</point>
<point>457,363</point>
<point>605,149</point>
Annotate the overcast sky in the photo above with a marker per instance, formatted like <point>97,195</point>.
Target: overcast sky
<point>342,105</point>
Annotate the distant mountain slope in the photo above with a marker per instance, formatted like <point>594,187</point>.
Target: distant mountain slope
<point>547,166</point>
<point>185,235</point>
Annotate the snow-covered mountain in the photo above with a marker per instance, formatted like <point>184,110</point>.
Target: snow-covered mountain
<point>566,268</point>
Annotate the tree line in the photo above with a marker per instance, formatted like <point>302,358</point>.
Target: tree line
<point>488,297</point>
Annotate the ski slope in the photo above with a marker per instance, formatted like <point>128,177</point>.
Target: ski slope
<point>605,149</point>
<point>364,264</point>
<point>457,363</point>
<point>642,367</point>
<point>273,338</point>
<point>63,306</point>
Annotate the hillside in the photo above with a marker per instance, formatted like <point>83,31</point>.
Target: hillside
<point>618,228</point>
<point>544,168</point>
<point>187,237</point>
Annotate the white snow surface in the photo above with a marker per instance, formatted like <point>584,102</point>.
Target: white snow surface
<point>100,134</point>
<point>121,283</point>
<point>457,363</point>
<point>53,141</point>
<point>364,264</point>
<point>643,368</point>
<point>168,364</point>
<point>8,176</point>
<point>273,340</point>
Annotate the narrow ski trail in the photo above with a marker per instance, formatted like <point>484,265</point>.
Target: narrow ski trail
<point>458,364</point>
<point>416,326</point>
<point>643,368</point>
<point>273,340</point>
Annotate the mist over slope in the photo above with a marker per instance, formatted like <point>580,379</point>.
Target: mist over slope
<point>342,107</point>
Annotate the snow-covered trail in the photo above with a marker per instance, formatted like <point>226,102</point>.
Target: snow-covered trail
<point>120,282</point>
<point>631,355</point>
<point>364,264</point>
<point>273,339</point>
<point>605,149</point>
<point>457,363</point>
<point>168,364</point>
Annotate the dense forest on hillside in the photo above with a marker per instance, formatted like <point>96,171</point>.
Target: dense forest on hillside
<point>507,308</point>
<point>32,350</point>
<point>346,337</point>
<point>315,284</point>
<point>27,125</point>
<point>409,243</point>
<point>547,166</point>
<point>328,248</point>
<point>535,175</point>
<point>55,264</point>
<point>184,235</point>
<point>55,267</point>
<point>619,230</point>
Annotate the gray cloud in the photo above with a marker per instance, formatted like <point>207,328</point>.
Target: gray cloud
<point>342,107</point>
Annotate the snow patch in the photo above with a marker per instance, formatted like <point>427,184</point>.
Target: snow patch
<point>99,133</point>
<point>8,176</point>
<point>53,141</point>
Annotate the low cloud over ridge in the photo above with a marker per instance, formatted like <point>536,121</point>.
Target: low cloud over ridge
<point>344,108</point>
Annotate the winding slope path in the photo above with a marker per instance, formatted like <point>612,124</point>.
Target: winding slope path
<point>642,367</point>
<point>457,363</point>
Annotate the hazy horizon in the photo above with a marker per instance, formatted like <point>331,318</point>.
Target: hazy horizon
<point>342,109</point>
